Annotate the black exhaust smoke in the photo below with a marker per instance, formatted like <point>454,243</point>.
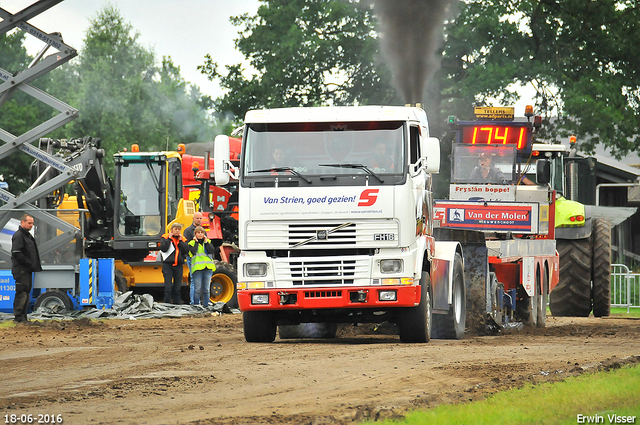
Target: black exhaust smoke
<point>411,34</point>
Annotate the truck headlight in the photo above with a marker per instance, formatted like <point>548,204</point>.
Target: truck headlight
<point>255,269</point>
<point>390,266</point>
<point>259,298</point>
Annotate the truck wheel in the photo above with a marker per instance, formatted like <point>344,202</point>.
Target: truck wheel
<point>601,268</point>
<point>223,285</point>
<point>51,299</point>
<point>543,291</point>
<point>414,323</point>
<point>259,326</point>
<point>572,294</point>
<point>451,325</point>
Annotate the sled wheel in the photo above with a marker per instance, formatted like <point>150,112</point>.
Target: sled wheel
<point>542,289</point>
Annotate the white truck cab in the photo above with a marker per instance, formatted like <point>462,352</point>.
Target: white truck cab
<point>335,209</point>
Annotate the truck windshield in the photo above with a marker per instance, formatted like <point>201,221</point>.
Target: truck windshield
<point>305,147</point>
<point>483,164</point>
<point>139,207</point>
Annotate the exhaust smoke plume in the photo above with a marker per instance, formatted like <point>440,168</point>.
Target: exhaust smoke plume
<point>411,35</point>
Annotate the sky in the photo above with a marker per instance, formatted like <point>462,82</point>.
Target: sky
<point>186,30</point>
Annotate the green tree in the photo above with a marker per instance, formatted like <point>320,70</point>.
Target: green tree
<point>580,57</point>
<point>304,53</point>
<point>125,97</point>
<point>19,113</point>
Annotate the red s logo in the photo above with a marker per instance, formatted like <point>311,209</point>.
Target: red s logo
<point>368,197</point>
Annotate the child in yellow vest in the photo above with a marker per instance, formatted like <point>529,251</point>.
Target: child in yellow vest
<point>201,252</point>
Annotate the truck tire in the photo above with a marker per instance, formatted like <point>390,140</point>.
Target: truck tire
<point>259,326</point>
<point>542,295</point>
<point>452,325</point>
<point>601,277</point>
<point>414,323</point>
<point>51,299</point>
<point>223,285</point>
<point>572,294</point>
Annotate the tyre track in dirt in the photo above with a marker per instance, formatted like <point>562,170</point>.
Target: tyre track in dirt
<point>199,370</point>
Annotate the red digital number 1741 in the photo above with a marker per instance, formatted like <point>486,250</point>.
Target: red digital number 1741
<point>495,136</point>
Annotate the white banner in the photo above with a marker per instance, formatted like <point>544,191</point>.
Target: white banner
<point>321,202</point>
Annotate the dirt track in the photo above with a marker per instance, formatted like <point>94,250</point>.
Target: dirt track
<point>200,370</point>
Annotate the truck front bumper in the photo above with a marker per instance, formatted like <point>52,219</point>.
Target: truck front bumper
<point>381,297</point>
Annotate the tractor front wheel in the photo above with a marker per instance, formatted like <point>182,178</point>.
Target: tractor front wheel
<point>223,285</point>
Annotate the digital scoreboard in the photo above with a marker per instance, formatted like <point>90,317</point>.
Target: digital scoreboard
<point>518,135</point>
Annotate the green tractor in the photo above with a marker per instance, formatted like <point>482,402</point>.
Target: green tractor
<point>583,241</point>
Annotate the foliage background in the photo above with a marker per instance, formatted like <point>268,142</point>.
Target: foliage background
<point>579,56</point>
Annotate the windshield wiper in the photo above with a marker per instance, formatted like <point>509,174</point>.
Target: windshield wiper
<point>282,169</point>
<point>156,183</point>
<point>359,166</point>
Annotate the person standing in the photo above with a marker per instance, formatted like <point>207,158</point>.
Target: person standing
<point>174,249</point>
<point>25,259</point>
<point>188,234</point>
<point>201,251</point>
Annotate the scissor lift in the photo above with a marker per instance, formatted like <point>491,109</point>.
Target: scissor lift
<point>59,241</point>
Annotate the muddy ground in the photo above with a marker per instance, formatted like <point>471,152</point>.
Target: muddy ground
<point>199,370</point>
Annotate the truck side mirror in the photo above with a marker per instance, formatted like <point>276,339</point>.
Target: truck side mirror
<point>430,149</point>
<point>221,160</point>
<point>543,171</point>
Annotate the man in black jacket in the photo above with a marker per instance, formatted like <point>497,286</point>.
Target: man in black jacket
<point>25,259</point>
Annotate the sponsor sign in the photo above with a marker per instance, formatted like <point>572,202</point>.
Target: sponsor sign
<point>486,192</point>
<point>494,113</point>
<point>503,217</point>
<point>322,202</point>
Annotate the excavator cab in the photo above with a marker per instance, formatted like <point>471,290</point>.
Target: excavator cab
<point>148,190</point>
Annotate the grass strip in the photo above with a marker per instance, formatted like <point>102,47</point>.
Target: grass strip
<point>595,395</point>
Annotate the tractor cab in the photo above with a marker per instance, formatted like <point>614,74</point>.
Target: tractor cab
<point>483,164</point>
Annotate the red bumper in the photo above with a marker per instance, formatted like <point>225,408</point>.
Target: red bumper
<point>318,298</point>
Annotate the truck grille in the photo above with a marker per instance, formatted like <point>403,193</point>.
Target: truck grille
<point>299,233</point>
<point>322,271</point>
<point>302,235</point>
<point>322,294</point>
